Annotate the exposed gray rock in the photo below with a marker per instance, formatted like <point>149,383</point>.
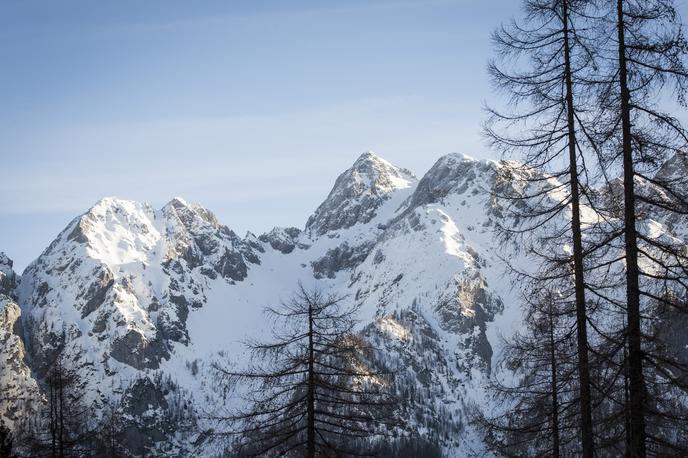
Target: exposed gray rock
<point>206,244</point>
<point>157,414</point>
<point>343,257</point>
<point>254,243</point>
<point>78,234</point>
<point>19,389</point>
<point>358,193</point>
<point>467,313</point>
<point>44,345</point>
<point>172,323</point>
<point>8,279</point>
<point>231,265</point>
<point>282,239</point>
<point>96,294</point>
<point>670,336</point>
<point>673,172</point>
<point>143,395</point>
<point>453,174</point>
<point>137,351</point>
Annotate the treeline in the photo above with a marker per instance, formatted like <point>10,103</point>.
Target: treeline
<point>317,388</point>
<point>311,390</point>
<point>72,422</point>
<point>600,196</point>
<point>62,424</point>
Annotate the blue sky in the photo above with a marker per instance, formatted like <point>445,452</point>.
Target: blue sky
<point>251,108</point>
<point>108,61</point>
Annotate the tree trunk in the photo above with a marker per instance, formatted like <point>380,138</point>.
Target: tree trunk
<point>581,314</point>
<point>61,409</point>
<point>53,417</point>
<point>555,391</point>
<point>311,385</point>
<point>636,389</point>
<point>627,415</point>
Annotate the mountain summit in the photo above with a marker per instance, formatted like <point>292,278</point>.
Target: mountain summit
<point>358,193</point>
<point>144,303</point>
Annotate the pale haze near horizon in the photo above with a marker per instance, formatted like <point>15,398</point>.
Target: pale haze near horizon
<point>250,108</point>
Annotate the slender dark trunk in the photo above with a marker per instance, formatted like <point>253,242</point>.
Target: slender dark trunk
<point>555,390</point>
<point>636,389</point>
<point>627,416</point>
<point>311,385</point>
<point>61,407</point>
<point>581,314</point>
<point>53,418</point>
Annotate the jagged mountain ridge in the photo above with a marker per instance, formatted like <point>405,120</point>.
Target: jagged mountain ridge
<point>15,375</point>
<point>143,301</point>
<point>129,292</point>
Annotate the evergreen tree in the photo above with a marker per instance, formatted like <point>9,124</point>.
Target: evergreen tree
<point>644,68</point>
<point>539,387</point>
<point>544,69</point>
<point>110,434</point>
<point>6,441</point>
<point>60,429</point>
<point>310,390</point>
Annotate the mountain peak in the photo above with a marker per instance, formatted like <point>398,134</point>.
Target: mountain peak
<point>674,169</point>
<point>110,202</point>
<point>5,261</point>
<point>358,192</point>
<point>109,209</point>
<point>105,214</point>
<point>177,202</point>
<point>378,173</point>
<point>7,276</point>
<point>454,173</point>
<point>368,156</point>
<point>188,212</point>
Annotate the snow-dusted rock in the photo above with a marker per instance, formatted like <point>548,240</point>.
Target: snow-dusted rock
<point>142,302</point>
<point>19,389</point>
<point>358,193</point>
<point>282,239</point>
<point>118,283</point>
<point>8,279</point>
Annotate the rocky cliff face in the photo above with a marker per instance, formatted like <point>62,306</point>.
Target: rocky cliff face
<point>19,390</point>
<point>8,279</point>
<point>131,275</point>
<point>129,293</point>
<point>358,194</point>
<point>142,302</point>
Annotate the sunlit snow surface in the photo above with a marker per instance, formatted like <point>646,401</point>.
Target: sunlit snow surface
<point>181,292</point>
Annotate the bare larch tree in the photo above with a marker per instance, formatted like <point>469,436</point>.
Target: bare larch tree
<point>309,391</point>
<point>543,68</point>
<point>644,69</point>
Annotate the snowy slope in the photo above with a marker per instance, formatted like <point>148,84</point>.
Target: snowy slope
<point>128,292</point>
<point>19,389</point>
<point>143,302</point>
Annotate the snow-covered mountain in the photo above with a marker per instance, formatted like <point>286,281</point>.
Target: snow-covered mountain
<point>19,388</point>
<point>142,302</point>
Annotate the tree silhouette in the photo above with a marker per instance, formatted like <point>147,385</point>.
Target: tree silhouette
<point>540,395</point>
<point>645,53</point>
<point>310,391</point>
<point>543,68</point>
<point>61,429</point>
<point>6,441</point>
